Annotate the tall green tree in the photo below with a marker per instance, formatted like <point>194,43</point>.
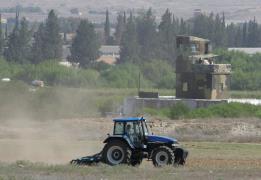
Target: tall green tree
<point>253,34</point>
<point>107,30</point>
<point>37,48</point>
<point>230,31</point>
<point>129,47</point>
<point>199,26</point>
<point>85,46</point>
<point>25,37</point>
<point>19,47</point>
<point>12,51</point>
<point>48,41</point>
<point>244,34</point>
<point>219,32</point>
<point>120,27</point>
<point>184,27</point>
<point>148,36</point>
<point>167,36</point>
<point>52,39</point>
<point>2,40</point>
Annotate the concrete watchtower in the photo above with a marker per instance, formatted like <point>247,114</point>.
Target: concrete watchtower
<point>197,75</point>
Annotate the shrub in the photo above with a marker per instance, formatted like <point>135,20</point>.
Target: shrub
<point>246,69</point>
<point>54,74</point>
<point>258,114</point>
<point>160,73</point>
<point>178,111</point>
<point>123,76</point>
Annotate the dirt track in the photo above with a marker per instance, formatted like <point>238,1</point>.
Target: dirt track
<point>61,140</point>
<point>57,142</point>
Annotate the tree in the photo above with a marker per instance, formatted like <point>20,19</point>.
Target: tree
<point>244,38</point>
<point>219,31</point>
<point>120,27</point>
<point>52,38</point>
<point>85,46</point>
<point>230,31</point>
<point>167,36</point>
<point>37,48</point>
<point>19,42</point>
<point>129,47</point>
<point>107,30</point>
<point>48,41</point>
<point>24,41</point>
<point>253,34</point>
<point>1,37</point>
<point>147,36</point>
<point>183,27</point>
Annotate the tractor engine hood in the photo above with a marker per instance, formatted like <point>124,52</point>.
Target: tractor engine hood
<point>161,139</point>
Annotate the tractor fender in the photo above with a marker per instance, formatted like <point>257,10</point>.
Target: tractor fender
<point>124,138</point>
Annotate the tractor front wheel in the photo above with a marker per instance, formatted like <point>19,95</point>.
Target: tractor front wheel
<point>116,152</point>
<point>162,156</point>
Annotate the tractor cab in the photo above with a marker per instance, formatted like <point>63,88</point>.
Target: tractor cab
<point>134,129</point>
<point>136,132</point>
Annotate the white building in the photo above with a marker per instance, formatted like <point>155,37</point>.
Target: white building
<point>109,54</point>
<point>250,51</point>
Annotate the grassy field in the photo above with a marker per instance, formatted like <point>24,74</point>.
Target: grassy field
<point>18,100</point>
<point>207,160</point>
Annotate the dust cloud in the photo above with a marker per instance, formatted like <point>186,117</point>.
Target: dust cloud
<point>50,125</point>
<point>53,142</point>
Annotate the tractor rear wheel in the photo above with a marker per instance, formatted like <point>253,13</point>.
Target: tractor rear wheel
<point>136,158</point>
<point>116,152</point>
<point>162,156</point>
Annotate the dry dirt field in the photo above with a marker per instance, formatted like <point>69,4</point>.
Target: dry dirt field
<point>219,149</point>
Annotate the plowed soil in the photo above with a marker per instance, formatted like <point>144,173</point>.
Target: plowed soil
<point>219,149</point>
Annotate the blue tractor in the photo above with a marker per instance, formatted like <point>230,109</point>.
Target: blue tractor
<point>131,142</point>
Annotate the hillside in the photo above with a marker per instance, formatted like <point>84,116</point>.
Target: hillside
<point>235,10</point>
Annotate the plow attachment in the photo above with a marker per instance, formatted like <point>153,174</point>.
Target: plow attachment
<point>88,160</point>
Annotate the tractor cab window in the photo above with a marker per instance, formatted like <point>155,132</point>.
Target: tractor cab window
<point>119,128</point>
<point>146,131</point>
<point>129,130</point>
<point>135,132</point>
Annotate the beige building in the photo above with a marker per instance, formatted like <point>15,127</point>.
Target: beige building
<point>109,54</point>
<point>197,74</point>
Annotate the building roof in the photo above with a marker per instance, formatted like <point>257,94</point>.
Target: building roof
<point>110,49</point>
<point>192,38</point>
<point>203,56</point>
<point>129,119</point>
<point>246,50</point>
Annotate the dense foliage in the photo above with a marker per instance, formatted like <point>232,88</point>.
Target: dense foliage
<point>48,42</point>
<point>85,46</point>
<point>231,110</point>
<point>155,73</point>
<point>246,69</point>
<point>147,50</point>
<point>19,43</point>
<point>100,75</point>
